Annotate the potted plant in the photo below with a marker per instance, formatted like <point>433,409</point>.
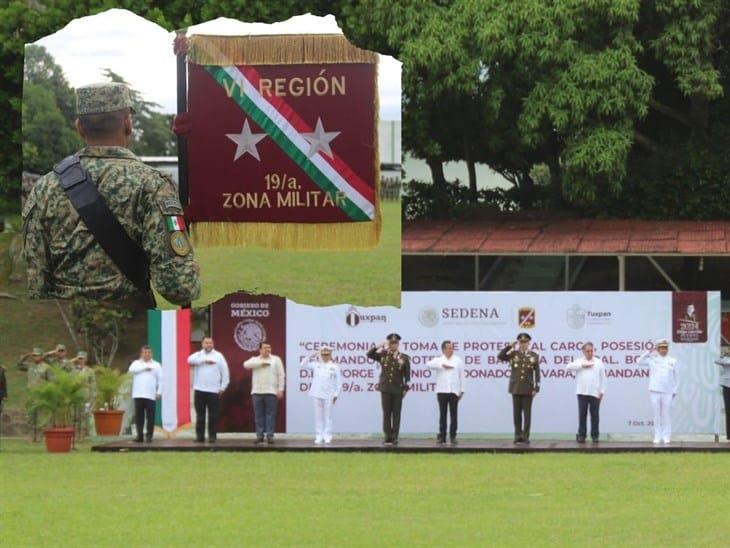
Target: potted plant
<point>107,418</point>
<point>54,401</point>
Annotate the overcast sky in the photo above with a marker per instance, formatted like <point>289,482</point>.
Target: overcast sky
<point>141,52</point>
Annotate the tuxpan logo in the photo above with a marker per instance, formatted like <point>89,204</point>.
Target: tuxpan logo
<point>249,334</point>
<point>577,317</point>
<point>428,316</point>
<point>353,317</point>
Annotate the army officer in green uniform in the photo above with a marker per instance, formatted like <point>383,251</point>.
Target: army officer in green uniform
<point>395,374</point>
<point>65,260</point>
<point>524,382</point>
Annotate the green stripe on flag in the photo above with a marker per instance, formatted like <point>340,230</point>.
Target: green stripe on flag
<point>281,139</point>
<point>154,339</point>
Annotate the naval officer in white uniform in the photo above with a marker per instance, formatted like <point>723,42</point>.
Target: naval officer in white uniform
<point>663,384</point>
<point>325,390</point>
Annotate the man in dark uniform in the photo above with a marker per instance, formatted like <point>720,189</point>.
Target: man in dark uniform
<point>524,382</point>
<point>395,374</point>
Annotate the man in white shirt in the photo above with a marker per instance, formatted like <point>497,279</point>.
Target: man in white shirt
<point>724,363</point>
<point>146,389</point>
<point>267,387</point>
<point>590,386</point>
<point>663,385</point>
<point>324,391</point>
<point>449,370</point>
<point>210,379</point>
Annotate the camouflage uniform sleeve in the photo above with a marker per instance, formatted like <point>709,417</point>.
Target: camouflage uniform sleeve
<point>35,244</point>
<point>173,271</point>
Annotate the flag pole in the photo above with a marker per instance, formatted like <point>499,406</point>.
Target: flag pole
<point>182,106</point>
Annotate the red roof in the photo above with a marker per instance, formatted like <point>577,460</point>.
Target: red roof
<point>568,236</point>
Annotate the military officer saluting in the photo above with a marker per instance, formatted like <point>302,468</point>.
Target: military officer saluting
<point>524,383</point>
<point>58,357</point>
<point>395,374</point>
<point>103,225</point>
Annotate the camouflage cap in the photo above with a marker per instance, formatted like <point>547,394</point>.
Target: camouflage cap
<point>37,351</point>
<point>82,354</point>
<point>101,98</point>
<point>60,347</point>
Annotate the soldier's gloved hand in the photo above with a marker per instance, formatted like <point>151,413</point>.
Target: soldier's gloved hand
<point>182,125</point>
<point>180,45</point>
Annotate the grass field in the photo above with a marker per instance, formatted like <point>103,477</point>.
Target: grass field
<point>365,278</point>
<point>227,499</point>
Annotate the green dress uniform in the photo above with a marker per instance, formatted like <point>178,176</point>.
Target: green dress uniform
<point>524,380</point>
<point>395,374</point>
<point>63,258</point>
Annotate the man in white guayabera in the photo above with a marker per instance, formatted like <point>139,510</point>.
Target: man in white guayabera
<point>210,379</point>
<point>663,384</point>
<point>449,370</point>
<point>146,390</point>
<point>324,391</point>
<point>590,386</point>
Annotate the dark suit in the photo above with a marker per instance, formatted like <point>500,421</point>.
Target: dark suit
<point>395,374</point>
<point>524,380</point>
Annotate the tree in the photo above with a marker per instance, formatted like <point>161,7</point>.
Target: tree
<point>151,135</point>
<point>101,327</point>
<point>40,68</point>
<point>47,135</point>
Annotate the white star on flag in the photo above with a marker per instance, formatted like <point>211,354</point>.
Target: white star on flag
<point>320,140</point>
<point>246,141</point>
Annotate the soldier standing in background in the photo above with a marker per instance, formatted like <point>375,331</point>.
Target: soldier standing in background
<point>38,372</point>
<point>135,208</point>
<point>395,374</point>
<point>524,383</point>
<point>83,415</point>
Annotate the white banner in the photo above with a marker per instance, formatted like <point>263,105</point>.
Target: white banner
<point>621,325</point>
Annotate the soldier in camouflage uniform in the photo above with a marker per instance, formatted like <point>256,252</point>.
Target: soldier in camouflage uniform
<point>83,415</point>
<point>58,358</point>
<point>38,372</point>
<point>395,374</point>
<point>524,383</point>
<point>64,260</point>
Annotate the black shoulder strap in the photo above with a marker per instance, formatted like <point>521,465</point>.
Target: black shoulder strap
<point>103,225</point>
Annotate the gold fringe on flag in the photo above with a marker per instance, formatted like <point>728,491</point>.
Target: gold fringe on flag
<point>283,49</point>
<point>292,236</point>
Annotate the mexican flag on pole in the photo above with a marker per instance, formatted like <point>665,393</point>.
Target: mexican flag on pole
<point>168,332</point>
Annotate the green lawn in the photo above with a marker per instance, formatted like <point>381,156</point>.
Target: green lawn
<point>226,499</point>
<point>365,278</point>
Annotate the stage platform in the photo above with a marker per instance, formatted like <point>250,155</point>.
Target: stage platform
<point>283,445</point>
